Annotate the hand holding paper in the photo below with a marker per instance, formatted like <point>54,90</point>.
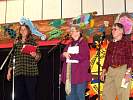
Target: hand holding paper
<point>27,49</point>
<point>73,50</point>
<point>124,84</point>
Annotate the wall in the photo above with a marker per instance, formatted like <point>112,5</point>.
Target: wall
<point>12,10</point>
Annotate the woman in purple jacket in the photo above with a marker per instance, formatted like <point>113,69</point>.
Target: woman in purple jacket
<point>79,68</point>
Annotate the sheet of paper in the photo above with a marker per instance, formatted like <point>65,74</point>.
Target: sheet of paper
<point>71,61</point>
<point>73,50</point>
<point>124,84</point>
<point>28,49</point>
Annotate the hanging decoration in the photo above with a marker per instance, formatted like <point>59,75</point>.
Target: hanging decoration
<point>83,20</point>
<point>91,23</point>
<point>11,32</point>
<point>127,23</point>
<point>7,28</point>
<point>55,33</point>
<point>90,31</point>
<point>87,18</point>
<point>57,23</point>
<point>78,19</point>
<point>33,29</point>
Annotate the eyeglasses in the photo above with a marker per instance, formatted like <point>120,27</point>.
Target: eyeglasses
<point>114,29</point>
<point>73,30</point>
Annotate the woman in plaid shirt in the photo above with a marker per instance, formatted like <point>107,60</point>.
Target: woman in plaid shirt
<point>26,69</point>
<point>117,66</point>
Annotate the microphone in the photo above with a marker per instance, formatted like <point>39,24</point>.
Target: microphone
<point>18,38</point>
<point>67,36</point>
<point>103,36</point>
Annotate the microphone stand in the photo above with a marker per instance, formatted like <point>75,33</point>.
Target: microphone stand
<point>55,46</point>
<point>6,59</point>
<point>98,52</point>
<point>100,42</point>
<point>66,37</point>
<point>11,51</point>
<point>13,93</point>
<point>59,79</point>
<point>16,40</point>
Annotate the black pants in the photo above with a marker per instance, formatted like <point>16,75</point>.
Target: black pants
<point>25,88</point>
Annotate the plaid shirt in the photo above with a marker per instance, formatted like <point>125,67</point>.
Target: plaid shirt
<point>24,64</point>
<point>118,53</point>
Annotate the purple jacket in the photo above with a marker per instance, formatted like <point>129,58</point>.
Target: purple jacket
<point>79,70</point>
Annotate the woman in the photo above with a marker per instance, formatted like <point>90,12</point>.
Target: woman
<point>79,66</point>
<point>117,66</point>
<point>26,70</point>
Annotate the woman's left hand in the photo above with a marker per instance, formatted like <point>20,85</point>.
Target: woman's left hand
<point>127,77</point>
<point>33,54</point>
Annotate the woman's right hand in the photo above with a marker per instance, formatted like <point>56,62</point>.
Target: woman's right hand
<point>102,77</point>
<point>9,75</point>
<point>66,55</point>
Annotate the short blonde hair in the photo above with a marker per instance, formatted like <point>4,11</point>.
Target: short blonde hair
<point>77,27</point>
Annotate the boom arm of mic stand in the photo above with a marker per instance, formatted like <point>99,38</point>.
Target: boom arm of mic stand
<point>54,46</point>
<point>6,59</point>
<point>66,37</point>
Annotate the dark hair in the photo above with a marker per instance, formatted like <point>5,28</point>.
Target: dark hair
<point>29,31</point>
<point>119,25</point>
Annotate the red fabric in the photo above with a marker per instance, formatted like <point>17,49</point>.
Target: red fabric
<point>41,43</point>
<point>46,43</point>
<point>6,45</point>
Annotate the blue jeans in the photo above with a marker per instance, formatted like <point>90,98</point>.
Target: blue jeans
<point>77,92</point>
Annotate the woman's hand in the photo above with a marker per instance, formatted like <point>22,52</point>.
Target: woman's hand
<point>66,55</point>
<point>33,54</point>
<point>9,75</point>
<point>127,77</point>
<point>103,75</point>
<point>37,56</point>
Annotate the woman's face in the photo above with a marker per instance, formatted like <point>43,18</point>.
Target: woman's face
<point>74,33</point>
<point>116,31</point>
<point>23,31</point>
